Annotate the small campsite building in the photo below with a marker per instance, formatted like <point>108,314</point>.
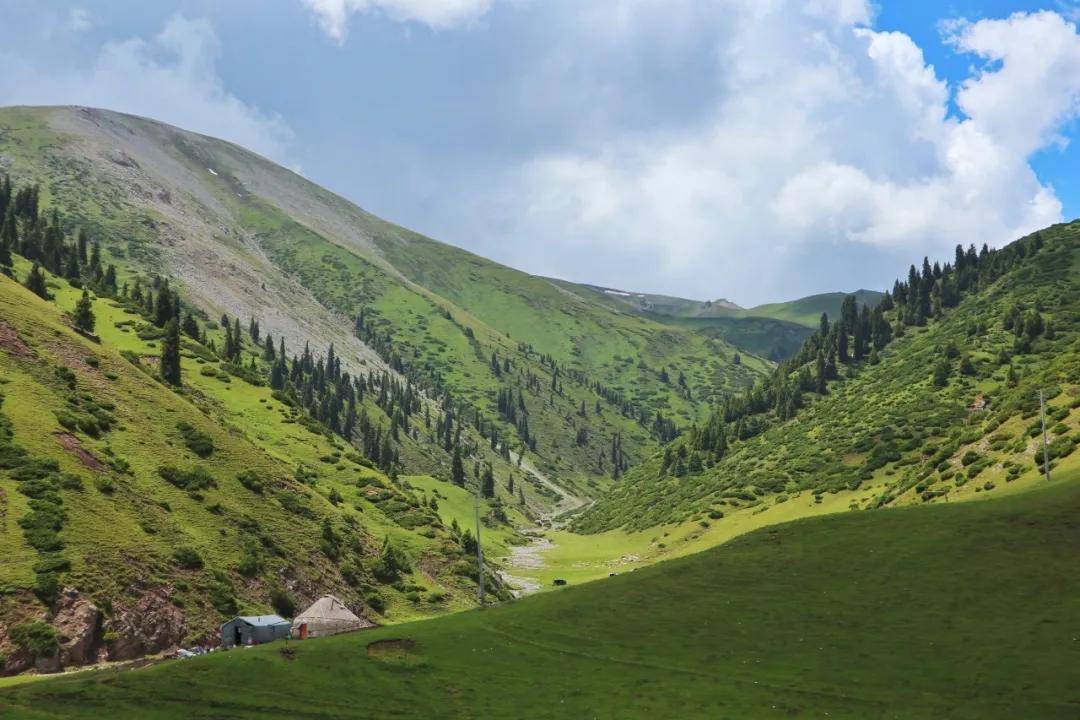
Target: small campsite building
<point>253,630</point>
<point>326,616</point>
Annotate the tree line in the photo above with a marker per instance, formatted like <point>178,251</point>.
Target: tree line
<point>856,337</point>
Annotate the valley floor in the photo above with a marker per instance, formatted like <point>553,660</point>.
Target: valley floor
<point>577,558</point>
<point>959,610</point>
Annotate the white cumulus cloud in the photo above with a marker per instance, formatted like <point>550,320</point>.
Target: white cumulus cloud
<point>824,135</point>
<point>171,76</point>
<point>333,15</point>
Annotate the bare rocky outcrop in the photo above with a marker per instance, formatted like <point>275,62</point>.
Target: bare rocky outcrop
<point>15,661</point>
<point>152,624</point>
<point>78,627</point>
<point>16,609</point>
<point>183,184</point>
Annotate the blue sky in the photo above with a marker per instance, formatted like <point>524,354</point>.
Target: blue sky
<point>710,148</point>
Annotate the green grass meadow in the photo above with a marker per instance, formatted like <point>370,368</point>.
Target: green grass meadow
<point>961,611</point>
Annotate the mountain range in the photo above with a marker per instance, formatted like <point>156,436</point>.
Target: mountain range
<point>228,390</point>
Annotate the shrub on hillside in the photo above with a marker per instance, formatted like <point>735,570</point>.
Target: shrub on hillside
<point>293,503</point>
<point>35,638</point>
<point>198,478</point>
<point>197,441</point>
<point>250,563</point>
<point>67,420</point>
<point>251,480</point>
<point>47,587</point>
<point>282,602</point>
<point>391,563</point>
<point>187,558</point>
<point>69,481</point>
<point>222,597</point>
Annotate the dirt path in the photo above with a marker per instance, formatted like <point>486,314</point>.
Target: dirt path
<point>567,501</point>
<point>530,556</point>
<point>526,557</point>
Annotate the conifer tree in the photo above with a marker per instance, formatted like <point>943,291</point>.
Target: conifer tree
<point>5,256</point>
<point>277,374</point>
<point>72,271</point>
<point>191,326</point>
<point>109,281</point>
<point>84,313</point>
<point>238,341</point>
<point>163,311</point>
<point>457,469</point>
<point>35,283</point>
<point>8,229</point>
<point>81,244</point>
<point>941,373</point>
<point>386,454</point>
<point>170,353</point>
<point>966,366</point>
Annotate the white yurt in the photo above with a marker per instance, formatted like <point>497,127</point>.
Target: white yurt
<point>326,616</point>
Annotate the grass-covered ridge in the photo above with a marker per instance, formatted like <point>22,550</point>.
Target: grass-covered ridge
<point>947,409</point>
<point>953,611</point>
<point>240,235</point>
<point>170,509</point>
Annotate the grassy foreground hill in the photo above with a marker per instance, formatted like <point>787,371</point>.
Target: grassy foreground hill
<point>966,610</point>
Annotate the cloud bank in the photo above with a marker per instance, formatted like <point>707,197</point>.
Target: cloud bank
<point>754,149</point>
<point>825,138</point>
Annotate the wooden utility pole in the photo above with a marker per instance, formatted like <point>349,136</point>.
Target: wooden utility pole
<point>1046,445</point>
<point>479,550</point>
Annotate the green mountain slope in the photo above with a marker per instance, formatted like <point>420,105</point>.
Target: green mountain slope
<point>134,517</point>
<point>765,337</point>
<point>803,311</point>
<point>240,235</point>
<point>321,460</point>
<point>946,410</point>
<point>960,611</point>
<point>773,331</point>
<point>661,305</point>
<point>807,311</point>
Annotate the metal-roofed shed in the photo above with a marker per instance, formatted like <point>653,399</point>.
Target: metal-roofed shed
<point>254,630</point>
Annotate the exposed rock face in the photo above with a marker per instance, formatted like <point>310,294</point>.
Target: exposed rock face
<point>151,625</point>
<point>15,662</point>
<point>16,609</point>
<point>50,664</point>
<point>78,628</point>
